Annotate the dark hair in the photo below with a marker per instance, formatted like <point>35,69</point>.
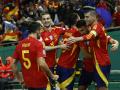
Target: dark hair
<point>81,23</point>
<point>44,13</point>
<point>33,27</point>
<point>72,19</point>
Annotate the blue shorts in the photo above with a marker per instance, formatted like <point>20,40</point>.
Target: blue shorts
<point>65,74</point>
<point>97,78</point>
<point>86,78</point>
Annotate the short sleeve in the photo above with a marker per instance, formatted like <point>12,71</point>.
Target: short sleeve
<point>61,30</point>
<point>40,50</point>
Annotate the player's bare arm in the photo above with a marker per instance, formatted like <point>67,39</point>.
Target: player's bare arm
<point>89,36</point>
<point>115,43</point>
<point>41,62</point>
<point>49,48</point>
<point>16,72</point>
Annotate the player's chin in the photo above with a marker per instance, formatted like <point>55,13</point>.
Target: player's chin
<point>47,24</point>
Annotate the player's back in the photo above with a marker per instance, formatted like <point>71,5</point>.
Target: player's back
<point>28,52</point>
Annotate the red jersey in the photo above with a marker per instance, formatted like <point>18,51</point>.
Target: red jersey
<point>51,39</point>
<point>27,51</point>
<point>88,64</point>
<point>99,44</point>
<point>69,57</point>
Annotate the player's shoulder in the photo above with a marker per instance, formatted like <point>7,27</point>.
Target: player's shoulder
<point>20,42</point>
<point>44,33</point>
<point>95,26</point>
<point>73,29</point>
<point>39,41</point>
<point>58,27</point>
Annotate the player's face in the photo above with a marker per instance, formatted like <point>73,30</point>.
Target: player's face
<point>89,18</point>
<point>46,20</point>
<point>83,30</point>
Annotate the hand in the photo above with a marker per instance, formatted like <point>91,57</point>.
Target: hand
<point>64,46</point>
<point>22,84</point>
<point>21,81</point>
<point>55,77</point>
<point>72,40</point>
<point>115,46</point>
<point>19,77</point>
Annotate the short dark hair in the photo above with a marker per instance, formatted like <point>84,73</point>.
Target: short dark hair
<point>81,23</point>
<point>44,13</point>
<point>72,19</point>
<point>33,27</point>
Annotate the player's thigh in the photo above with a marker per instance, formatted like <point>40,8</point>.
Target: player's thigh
<point>66,75</point>
<point>86,78</point>
<point>106,71</point>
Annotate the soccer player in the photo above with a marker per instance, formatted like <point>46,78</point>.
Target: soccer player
<point>86,76</point>
<point>31,54</point>
<point>68,58</point>
<point>88,66</point>
<point>50,36</point>
<point>98,44</point>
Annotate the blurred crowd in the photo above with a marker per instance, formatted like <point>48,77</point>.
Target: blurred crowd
<point>5,69</point>
<point>6,73</point>
<point>17,14</point>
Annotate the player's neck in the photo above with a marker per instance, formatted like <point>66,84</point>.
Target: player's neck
<point>94,23</point>
<point>48,29</point>
<point>33,36</point>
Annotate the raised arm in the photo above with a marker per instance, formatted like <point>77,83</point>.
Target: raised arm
<point>49,48</point>
<point>89,36</point>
